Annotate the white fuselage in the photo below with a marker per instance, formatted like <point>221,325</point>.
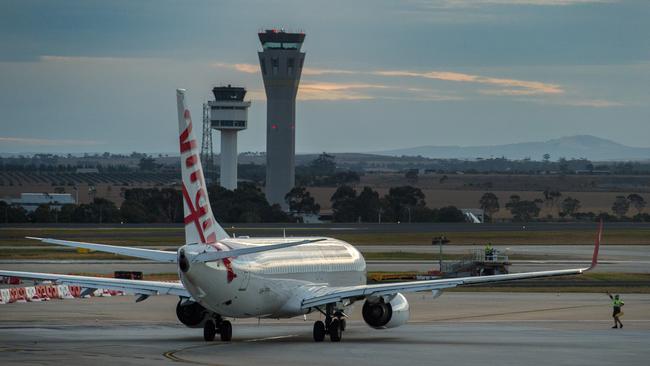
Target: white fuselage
<point>273,283</point>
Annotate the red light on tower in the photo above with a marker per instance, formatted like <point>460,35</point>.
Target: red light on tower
<point>274,126</point>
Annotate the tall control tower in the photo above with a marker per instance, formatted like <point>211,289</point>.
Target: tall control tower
<point>229,115</point>
<point>281,62</point>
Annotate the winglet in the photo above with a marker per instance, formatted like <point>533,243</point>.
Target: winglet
<point>594,258</point>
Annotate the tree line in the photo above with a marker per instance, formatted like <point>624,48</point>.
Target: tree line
<point>400,204</point>
<point>247,203</point>
<point>527,210</point>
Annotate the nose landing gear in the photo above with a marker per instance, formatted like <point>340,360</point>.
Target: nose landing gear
<point>220,326</point>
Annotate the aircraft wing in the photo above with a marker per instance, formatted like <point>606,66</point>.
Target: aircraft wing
<point>155,255</point>
<point>129,286</point>
<point>322,295</point>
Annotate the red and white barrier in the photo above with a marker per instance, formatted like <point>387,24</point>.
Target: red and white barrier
<point>41,291</point>
<point>64,292</point>
<point>47,292</point>
<point>5,296</point>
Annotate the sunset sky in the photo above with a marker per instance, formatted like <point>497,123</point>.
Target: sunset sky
<point>94,76</point>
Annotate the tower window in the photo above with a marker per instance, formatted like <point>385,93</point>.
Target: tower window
<point>290,66</point>
<point>275,65</point>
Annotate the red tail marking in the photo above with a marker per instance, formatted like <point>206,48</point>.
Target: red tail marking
<point>195,214</point>
<point>594,258</point>
<point>194,177</point>
<point>191,160</point>
<point>231,275</point>
<point>187,145</point>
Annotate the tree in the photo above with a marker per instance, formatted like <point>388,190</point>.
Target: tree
<point>344,204</point>
<point>637,202</point>
<point>301,201</point>
<point>368,205</point>
<point>104,210</point>
<point>569,206</point>
<point>551,198</point>
<point>43,213</point>
<point>12,213</point>
<point>450,214</point>
<point>148,164</point>
<point>133,212</point>
<point>522,210</point>
<point>489,203</point>
<point>620,206</point>
<point>411,175</point>
<point>324,164</point>
<point>547,157</point>
<point>400,201</point>
<point>247,203</point>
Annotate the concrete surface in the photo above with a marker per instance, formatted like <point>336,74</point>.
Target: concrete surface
<point>455,329</point>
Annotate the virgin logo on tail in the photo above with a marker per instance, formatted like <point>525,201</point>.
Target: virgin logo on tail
<point>199,207</point>
<point>200,224</point>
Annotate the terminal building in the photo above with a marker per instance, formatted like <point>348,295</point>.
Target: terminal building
<point>281,62</point>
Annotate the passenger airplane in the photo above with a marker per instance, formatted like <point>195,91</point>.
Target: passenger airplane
<point>223,277</point>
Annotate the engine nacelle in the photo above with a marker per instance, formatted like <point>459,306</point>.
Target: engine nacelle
<point>191,314</point>
<point>379,314</point>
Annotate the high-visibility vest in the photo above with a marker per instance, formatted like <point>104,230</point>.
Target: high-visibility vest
<point>617,303</point>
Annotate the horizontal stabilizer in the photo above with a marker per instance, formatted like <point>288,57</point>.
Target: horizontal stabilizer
<point>154,255</point>
<point>215,256</point>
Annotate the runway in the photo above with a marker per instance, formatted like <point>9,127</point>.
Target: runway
<point>457,328</point>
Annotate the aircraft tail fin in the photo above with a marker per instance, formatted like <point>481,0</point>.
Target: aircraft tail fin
<point>200,224</point>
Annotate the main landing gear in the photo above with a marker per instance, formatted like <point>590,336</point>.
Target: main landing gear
<point>334,325</point>
<point>218,325</point>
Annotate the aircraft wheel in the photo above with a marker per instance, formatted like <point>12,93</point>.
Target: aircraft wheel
<point>335,331</point>
<point>319,331</point>
<point>226,331</point>
<point>209,330</point>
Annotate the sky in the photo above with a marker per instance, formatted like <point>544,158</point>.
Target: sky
<point>96,75</point>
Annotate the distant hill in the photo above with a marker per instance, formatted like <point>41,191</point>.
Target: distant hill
<point>580,146</point>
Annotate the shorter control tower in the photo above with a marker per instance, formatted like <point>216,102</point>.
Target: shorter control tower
<point>229,115</point>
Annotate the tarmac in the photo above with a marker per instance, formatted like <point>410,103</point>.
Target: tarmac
<point>454,329</point>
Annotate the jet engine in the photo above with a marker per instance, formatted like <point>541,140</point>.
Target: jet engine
<point>380,314</point>
<point>191,313</point>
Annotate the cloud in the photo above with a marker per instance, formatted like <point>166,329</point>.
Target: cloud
<point>254,69</point>
<point>593,103</point>
<point>515,86</point>
<point>310,71</point>
<point>48,142</point>
<point>432,4</point>
<point>90,59</point>
<point>512,86</point>
<point>336,91</point>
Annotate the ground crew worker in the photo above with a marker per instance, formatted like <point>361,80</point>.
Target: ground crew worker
<point>488,251</point>
<point>617,304</point>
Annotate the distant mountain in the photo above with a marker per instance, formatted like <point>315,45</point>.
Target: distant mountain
<point>580,146</point>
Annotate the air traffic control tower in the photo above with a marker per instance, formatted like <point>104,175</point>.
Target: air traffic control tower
<point>281,63</point>
<point>229,114</point>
